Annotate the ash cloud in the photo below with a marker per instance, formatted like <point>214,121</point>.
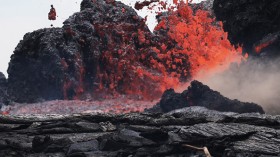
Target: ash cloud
<point>256,80</point>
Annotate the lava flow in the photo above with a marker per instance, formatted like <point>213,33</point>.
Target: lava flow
<point>119,105</point>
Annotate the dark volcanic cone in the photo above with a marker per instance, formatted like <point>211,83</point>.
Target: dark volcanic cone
<point>105,48</point>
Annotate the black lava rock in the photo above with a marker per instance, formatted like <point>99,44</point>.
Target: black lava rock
<point>37,67</point>
<point>81,147</point>
<point>225,134</point>
<point>198,94</point>
<point>47,144</point>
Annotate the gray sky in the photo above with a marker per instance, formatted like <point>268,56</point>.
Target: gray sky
<point>21,16</point>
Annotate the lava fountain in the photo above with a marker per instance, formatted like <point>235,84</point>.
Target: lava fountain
<point>115,55</point>
<point>189,43</point>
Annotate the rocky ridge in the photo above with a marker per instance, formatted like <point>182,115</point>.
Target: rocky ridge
<point>225,134</point>
<point>199,94</point>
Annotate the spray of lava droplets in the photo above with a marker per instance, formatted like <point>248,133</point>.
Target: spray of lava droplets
<point>200,37</point>
<point>194,42</point>
<point>199,40</point>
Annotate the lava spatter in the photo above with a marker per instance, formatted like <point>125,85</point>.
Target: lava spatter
<point>198,36</point>
<point>141,5</point>
<point>52,13</point>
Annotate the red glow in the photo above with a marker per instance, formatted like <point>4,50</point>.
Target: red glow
<point>5,112</point>
<point>261,46</point>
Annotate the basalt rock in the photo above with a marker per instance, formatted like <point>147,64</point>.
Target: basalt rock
<point>38,66</point>
<point>198,94</point>
<point>248,22</point>
<point>225,134</point>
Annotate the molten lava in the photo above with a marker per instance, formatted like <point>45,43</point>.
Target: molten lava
<point>192,42</point>
<point>141,5</point>
<point>52,13</point>
<point>266,42</point>
<point>201,38</point>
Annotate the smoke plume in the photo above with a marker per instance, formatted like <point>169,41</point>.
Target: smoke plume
<point>256,80</point>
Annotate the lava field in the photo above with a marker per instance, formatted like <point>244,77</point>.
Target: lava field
<point>105,85</point>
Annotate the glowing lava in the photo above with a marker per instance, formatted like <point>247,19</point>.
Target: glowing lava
<point>201,38</point>
<point>138,65</point>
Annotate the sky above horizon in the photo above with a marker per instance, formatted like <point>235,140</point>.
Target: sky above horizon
<point>19,17</point>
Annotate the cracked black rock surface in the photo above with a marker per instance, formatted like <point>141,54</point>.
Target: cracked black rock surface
<point>225,134</point>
